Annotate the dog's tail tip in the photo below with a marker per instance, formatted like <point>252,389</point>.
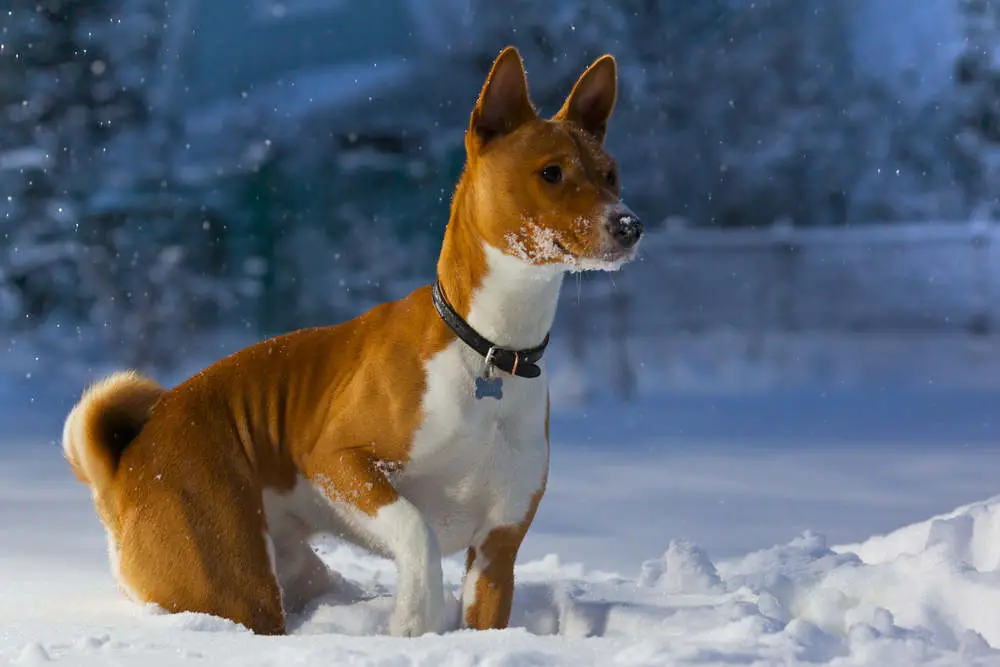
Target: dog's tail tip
<point>107,418</point>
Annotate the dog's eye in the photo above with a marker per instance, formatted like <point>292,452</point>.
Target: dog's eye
<point>612,178</point>
<point>552,174</point>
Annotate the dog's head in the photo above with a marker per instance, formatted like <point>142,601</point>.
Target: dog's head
<point>544,190</point>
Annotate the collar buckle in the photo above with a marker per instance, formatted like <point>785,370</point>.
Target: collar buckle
<point>490,366</point>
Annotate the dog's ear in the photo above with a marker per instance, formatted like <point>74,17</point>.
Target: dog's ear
<point>593,98</point>
<point>504,104</point>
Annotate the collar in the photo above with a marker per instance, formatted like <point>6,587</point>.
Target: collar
<point>522,363</point>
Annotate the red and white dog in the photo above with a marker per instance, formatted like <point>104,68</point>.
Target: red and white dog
<point>416,430</point>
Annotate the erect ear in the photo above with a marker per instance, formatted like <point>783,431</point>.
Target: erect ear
<point>593,98</point>
<point>503,104</point>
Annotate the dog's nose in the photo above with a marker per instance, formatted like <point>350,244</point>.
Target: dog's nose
<point>625,227</point>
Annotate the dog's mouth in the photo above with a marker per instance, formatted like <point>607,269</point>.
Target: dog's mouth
<point>621,254</point>
<point>609,258</point>
<point>613,260</point>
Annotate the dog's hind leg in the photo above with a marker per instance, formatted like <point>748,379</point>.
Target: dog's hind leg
<point>304,577</point>
<point>213,558</point>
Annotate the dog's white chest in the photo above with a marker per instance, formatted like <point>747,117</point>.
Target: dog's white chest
<point>475,463</point>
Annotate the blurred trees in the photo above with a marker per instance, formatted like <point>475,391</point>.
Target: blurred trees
<point>977,74</point>
<point>738,113</point>
<point>731,113</point>
<point>97,224</point>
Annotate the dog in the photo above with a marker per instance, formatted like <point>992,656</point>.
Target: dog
<point>416,430</point>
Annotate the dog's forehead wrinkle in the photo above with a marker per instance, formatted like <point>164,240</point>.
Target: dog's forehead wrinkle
<point>589,152</point>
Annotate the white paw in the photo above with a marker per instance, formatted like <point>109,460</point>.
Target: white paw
<point>420,618</point>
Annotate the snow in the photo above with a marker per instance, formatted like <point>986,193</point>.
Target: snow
<point>664,539</point>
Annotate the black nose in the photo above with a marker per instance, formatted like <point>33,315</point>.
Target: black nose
<point>626,228</point>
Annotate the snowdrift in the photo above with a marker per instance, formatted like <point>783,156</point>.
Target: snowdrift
<point>927,594</point>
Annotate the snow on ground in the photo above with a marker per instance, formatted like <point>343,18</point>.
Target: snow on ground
<point>680,530</point>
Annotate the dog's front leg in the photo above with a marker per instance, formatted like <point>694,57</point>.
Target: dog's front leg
<point>488,591</point>
<point>362,493</point>
<point>420,592</point>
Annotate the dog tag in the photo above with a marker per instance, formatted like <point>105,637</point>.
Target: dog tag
<point>491,387</point>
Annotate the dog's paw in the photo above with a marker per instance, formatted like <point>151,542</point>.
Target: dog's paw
<point>418,620</point>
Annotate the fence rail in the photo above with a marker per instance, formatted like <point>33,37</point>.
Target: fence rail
<point>882,278</point>
<point>916,278</point>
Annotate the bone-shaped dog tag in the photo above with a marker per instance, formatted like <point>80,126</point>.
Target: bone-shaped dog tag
<point>491,387</point>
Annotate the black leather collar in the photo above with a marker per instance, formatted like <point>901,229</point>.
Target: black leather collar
<point>522,363</point>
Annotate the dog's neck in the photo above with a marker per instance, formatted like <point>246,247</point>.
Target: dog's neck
<point>515,303</point>
<point>507,300</point>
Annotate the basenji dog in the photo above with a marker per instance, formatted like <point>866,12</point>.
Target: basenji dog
<point>416,430</point>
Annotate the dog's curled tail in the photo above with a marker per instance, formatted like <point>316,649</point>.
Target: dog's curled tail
<point>108,417</point>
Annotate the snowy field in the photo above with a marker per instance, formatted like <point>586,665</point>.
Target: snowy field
<point>684,529</point>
